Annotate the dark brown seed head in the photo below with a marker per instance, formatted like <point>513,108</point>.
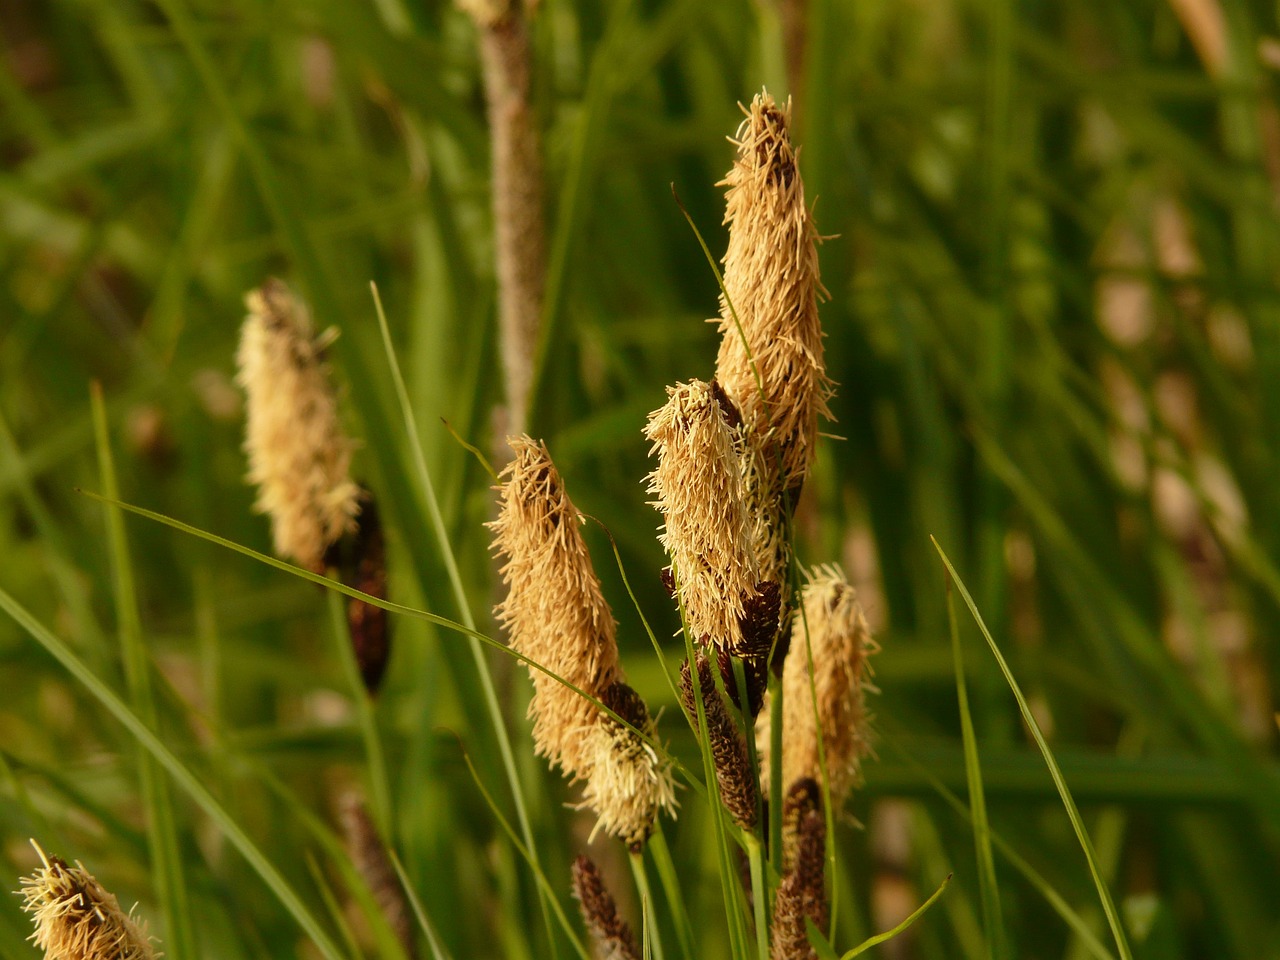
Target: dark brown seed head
<point>802,893</point>
<point>734,775</point>
<point>612,934</point>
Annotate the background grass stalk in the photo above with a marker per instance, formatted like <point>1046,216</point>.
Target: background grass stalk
<point>151,742</point>
<point>1073,813</point>
<point>988,885</point>
<point>366,718</point>
<point>162,831</point>
<point>443,541</point>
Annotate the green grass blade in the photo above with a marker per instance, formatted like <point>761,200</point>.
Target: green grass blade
<point>181,775</point>
<point>652,939</point>
<point>441,531</point>
<point>988,885</point>
<point>379,782</point>
<point>670,880</point>
<point>1073,813</point>
<point>548,891</point>
<point>438,950</point>
<point>916,914</point>
<point>162,830</point>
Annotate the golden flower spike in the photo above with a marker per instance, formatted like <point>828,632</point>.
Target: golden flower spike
<point>556,615</point>
<point>840,644</point>
<point>76,918</point>
<point>299,457</point>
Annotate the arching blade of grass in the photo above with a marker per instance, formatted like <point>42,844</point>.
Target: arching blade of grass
<point>1039,882</point>
<point>162,828</point>
<point>379,783</point>
<point>150,741</point>
<point>438,950</point>
<point>464,608</point>
<point>1073,813</point>
<point>988,885</point>
<point>916,914</point>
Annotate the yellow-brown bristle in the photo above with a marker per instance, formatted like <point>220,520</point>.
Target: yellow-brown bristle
<point>76,918</point>
<point>299,457</point>
<point>556,615</point>
<point>706,530</point>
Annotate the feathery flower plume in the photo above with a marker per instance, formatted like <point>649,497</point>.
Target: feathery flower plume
<point>76,918</point>
<point>612,935</point>
<point>298,455</point>
<point>802,893</point>
<point>736,779</point>
<point>840,644</point>
<point>556,615</point>
<point>628,783</point>
<point>706,530</point>
<point>771,278</point>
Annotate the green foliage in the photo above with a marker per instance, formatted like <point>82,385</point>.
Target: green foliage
<point>1055,324</point>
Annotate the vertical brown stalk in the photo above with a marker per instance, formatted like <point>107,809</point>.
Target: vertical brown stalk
<point>794,15</point>
<point>518,217</point>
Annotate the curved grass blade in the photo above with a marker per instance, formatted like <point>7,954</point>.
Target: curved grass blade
<point>162,827</point>
<point>1073,812</point>
<point>494,709</point>
<point>185,779</point>
<point>988,886</point>
<point>916,914</point>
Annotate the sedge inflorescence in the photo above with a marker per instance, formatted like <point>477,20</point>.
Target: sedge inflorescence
<point>299,456</point>
<point>76,918</point>
<point>556,616</point>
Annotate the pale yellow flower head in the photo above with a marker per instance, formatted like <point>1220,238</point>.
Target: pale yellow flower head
<point>299,457</point>
<point>556,615</point>
<point>76,918</point>
<point>772,279</point>
<point>840,644</point>
<point>706,530</point>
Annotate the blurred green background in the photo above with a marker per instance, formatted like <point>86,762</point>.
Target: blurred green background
<point>1055,326</point>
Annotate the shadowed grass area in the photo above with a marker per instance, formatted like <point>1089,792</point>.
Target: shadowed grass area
<point>1054,321</point>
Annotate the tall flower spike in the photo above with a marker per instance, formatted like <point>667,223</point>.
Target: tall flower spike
<point>556,615</point>
<point>612,934</point>
<point>76,918</point>
<point>772,280</point>
<point>802,893</point>
<point>706,530</point>
<point>736,779</point>
<point>298,455</point>
<point>840,644</point>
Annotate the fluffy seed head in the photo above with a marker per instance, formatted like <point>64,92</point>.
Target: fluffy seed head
<point>612,935</point>
<point>706,531</point>
<point>556,615</point>
<point>840,644</point>
<point>299,458</point>
<point>771,278</point>
<point>628,783</point>
<point>76,918</point>
<point>554,611</point>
